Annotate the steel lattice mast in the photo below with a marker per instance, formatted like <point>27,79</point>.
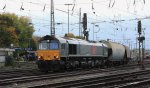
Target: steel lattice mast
<point>52,28</point>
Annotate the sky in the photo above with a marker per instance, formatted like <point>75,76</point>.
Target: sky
<point>113,19</point>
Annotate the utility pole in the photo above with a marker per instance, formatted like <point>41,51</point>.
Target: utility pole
<point>68,15</point>
<point>97,31</point>
<point>80,31</point>
<point>52,28</point>
<point>142,49</point>
<point>136,43</point>
<point>139,31</point>
<point>143,44</point>
<point>93,29</point>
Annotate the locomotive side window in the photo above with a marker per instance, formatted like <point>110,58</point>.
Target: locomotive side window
<point>72,49</point>
<point>62,46</point>
<point>44,45</point>
<point>53,45</point>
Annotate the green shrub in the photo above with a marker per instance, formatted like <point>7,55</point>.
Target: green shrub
<point>9,60</point>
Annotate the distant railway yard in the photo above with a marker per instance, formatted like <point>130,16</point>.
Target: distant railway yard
<point>124,76</point>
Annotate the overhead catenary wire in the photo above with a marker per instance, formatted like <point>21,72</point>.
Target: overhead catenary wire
<point>74,3</point>
<point>75,15</point>
<point>31,3</point>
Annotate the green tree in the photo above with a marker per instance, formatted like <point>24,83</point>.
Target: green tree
<point>25,31</point>
<point>8,36</point>
<point>17,30</point>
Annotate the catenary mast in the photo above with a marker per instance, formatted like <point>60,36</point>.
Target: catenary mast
<point>52,28</point>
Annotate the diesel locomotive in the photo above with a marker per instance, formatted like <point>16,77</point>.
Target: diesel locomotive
<point>63,53</point>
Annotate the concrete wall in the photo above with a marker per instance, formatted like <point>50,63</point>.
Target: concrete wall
<point>3,53</point>
<point>2,58</point>
<point>2,61</point>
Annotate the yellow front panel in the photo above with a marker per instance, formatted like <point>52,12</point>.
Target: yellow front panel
<point>49,54</point>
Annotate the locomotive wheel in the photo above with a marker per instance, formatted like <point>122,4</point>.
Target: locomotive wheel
<point>73,65</point>
<point>55,66</point>
<point>42,69</point>
<point>42,66</point>
<point>83,64</point>
<point>97,64</point>
<point>68,66</point>
<point>89,64</point>
<point>76,64</point>
<point>62,65</point>
<point>108,63</point>
<point>93,64</point>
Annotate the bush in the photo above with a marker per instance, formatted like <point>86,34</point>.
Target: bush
<point>9,61</point>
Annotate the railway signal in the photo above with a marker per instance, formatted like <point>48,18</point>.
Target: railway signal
<point>85,32</point>
<point>139,27</point>
<point>85,21</point>
<point>140,39</point>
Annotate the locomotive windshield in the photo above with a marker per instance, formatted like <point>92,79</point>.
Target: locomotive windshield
<point>53,45</point>
<point>48,45</point>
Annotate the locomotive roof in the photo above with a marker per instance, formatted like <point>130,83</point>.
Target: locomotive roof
<point>78,41</point>
<point>72,40</point>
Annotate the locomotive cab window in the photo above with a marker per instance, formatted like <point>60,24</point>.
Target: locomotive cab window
<point>44,45</point>
<point>49,45</point>
<point>54,45</point>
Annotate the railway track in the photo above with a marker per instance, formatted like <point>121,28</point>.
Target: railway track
<point>19,73</point>
<point>34,72</point>
<point>110,81</point>
<point>26,70</point>
<point>136,84</point>
<point>23,78</point>
<point>139,83</point>
<point>42,77</point>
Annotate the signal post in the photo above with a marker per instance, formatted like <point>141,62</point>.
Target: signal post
<point>141,39</point>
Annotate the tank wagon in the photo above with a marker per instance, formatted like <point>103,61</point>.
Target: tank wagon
<point>59,53</point>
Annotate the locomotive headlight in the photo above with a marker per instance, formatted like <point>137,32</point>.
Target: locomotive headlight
<point>57,57</point>
<point>40,57</point>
